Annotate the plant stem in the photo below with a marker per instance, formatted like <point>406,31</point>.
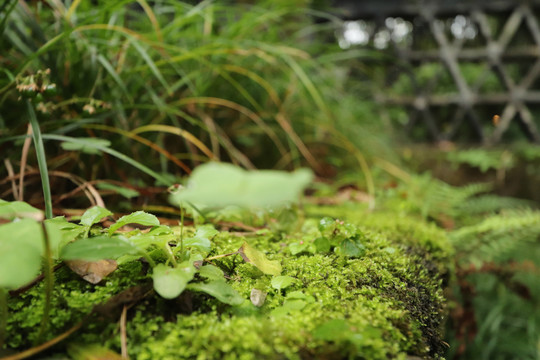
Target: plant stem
<point>3,316</point>
<point>170,254</point>
<point>42,160</point>
<point>49,284</point>
<point>220,256</point>
<point>181,231</point>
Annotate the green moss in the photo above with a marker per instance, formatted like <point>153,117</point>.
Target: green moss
<point>385,303</point>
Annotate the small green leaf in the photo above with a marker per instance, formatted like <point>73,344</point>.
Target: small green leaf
<point>202,237</point>
<point>21,247</point>
<point>327,226</point>
<point>125,192</point>
<point>350,248</point>
<point>170,282</point>
<point>211,272</point>
<point>19,209</point>
<point>322,245</point>
<point>282,282</point>
<point>298,247</point>
<point>332,330</point>
<point>138,217</point>
<point>206,231</point>
<point>220,290</point>
<point>259,260</point>
<point>93,215</point>
<point>98,248</point>
<point>199,243</point>
<point>60,233</point>
<point>86,145</point>
<point>294,304</point>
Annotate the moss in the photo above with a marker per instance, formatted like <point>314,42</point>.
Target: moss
<point>387,302</point>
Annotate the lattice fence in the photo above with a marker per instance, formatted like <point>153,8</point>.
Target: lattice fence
<point>461,70</point>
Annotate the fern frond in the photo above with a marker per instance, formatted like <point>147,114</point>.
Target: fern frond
<point>497,237</point>
<point>490,203</point>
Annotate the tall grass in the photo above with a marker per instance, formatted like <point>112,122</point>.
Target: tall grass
<point>180,84</point>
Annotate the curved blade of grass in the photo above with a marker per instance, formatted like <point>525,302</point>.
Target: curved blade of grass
<point>151,65</point>
<point>308,84</point>
<point>43,49</point>
<point>236,155</point>
<point>257,79</point>
<point>176,131</point>
<point>10,7</point>
<point>241,109</point>
<point>72,9</point>
<point>110,69</point>
<point>287,127</point>
<point>114,153</point>
<point>142,140</point>
<point>152,17</point>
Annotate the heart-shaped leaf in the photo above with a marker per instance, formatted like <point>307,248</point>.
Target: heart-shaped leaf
<point>259,260</point>
<point>138,217</point>
<point>220,290</point>
<point>98,248</point>
<point>170,282</point>
<point>93,215</point>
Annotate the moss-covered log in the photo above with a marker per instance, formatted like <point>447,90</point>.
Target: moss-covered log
<point>382,299</point>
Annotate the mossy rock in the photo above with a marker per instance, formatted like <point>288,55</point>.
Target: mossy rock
<point>386,302</point>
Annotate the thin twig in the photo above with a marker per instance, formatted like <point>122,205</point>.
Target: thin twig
<point>220,256</point>
<point>123,332</point>
<point>11,175</point>
<point>45,345</point>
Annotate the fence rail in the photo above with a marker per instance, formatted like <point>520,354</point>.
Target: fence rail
<point>484,55</point>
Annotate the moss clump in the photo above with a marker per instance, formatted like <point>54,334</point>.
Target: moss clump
<point>385,302</point>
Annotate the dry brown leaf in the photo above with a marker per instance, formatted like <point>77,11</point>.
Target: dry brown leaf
<point>92,271</point>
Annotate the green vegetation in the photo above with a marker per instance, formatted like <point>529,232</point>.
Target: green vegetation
<point>145,124</point>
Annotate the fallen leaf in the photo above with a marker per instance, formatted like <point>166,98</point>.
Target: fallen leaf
<point>92,271</point>
<point>259,260</point>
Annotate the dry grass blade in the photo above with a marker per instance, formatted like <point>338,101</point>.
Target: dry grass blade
<point>211,125</point>
<point>176,131</point>
<point>11,176</point>
<point>24,158</point>
<point>286,126</point>
<point>241,109</point>
<point>36,350</point>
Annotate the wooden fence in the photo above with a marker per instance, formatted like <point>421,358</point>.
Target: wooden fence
<point>465,70</point>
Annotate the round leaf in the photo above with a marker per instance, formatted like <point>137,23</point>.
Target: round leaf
<point>170,282</point>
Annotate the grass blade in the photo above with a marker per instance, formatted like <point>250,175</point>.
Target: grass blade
<point>42,160</point>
